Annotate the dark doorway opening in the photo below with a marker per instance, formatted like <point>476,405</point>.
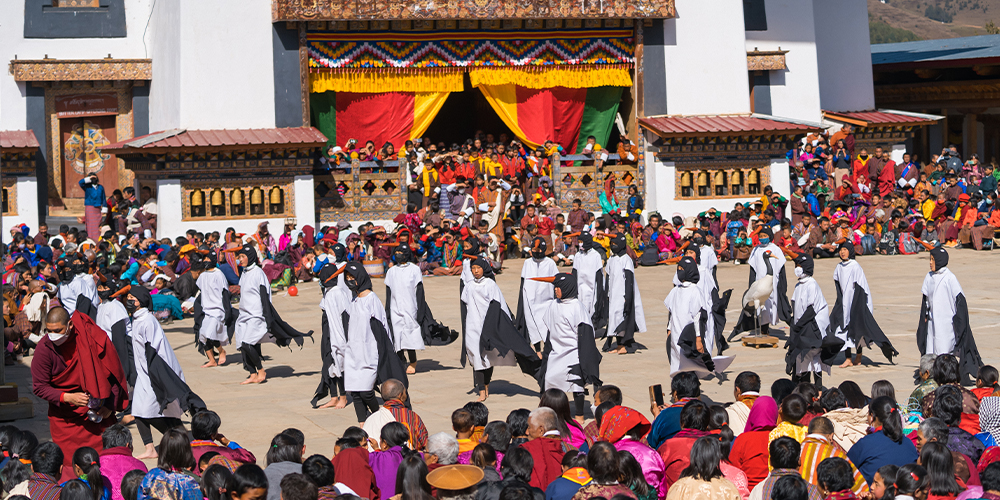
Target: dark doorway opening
<point>462,116</point>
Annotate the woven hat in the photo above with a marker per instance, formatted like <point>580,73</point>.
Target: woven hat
<point>455,477</point>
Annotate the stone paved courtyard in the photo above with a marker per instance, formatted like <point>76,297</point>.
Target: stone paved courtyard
<point>252,415</point>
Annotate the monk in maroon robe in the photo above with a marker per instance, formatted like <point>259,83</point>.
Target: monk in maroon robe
<point>74,366</point>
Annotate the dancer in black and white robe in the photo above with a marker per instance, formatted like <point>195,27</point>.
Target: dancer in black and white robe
<point>370,358</point>
<point>534,297</point>
<point>258,321</point>
<point>571,359</point>
<point>78,292</point>
<point>588,265</point>
<point>114,319</point>
<point>851,318</point>
<point>333,347</point>
<point>160,395</point>
<point>411,322</point>
<point>810,348</point>
<point>689,346</point>
<point>944,318</point>
<point>716,303</point>
<point>213,311</point>
<point>625,316</point>
<point>491,339</point>
<point>776,307</point>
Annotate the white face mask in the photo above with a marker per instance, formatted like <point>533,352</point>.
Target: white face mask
<point>58,338</point>
<point>798,272</point>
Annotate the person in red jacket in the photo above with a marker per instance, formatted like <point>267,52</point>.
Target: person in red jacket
<point>546,447</point>
<point>749,450</point>
<point>676,451</point>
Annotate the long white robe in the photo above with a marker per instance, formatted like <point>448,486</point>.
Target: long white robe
<point>808,293</point>
<point>81,284</point>
<point>941,289</point>
<point>536,296</point>
<point>251,326</point>
<point>477,295</point>
<point>706,284</point>
<point>335,302</point>
<point>769,309</point>
<point>145,329</point>
<point>709,260</point>
<point>402,280</point>
<point>615,269</point>
<point>685,304</point>
<point>361,358</point>
<point>563,320</point>
<point>848,273</point>
<point>109,313</point>
<point>211,284</point>
<point>587,263</point>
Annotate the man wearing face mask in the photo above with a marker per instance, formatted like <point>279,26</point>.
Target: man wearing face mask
<point>944,327</point>
<point>571,359</point>
<point>76,370</point>
<point>113,318</point>
<point>258,321</point>
<point>78,292</point>
<point>534,296</point>
<point>851,318</point>
<point>625,316</point>
<point>776,307</point>
<point>370,358</point>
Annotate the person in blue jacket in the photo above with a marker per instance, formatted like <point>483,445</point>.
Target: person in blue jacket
<point>94,201</point>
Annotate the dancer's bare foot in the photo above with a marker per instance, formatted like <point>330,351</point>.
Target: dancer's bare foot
<point>483,394</point>
<point>341,403</point>
<point>252,379</point>
<point>411,369</point>
<point>261,376</point>
<point>329,404</point>
<point>210,364</point>
<point>621,350</point>
<point>847,363</point>
<point>150,453</point>
<point>857,359</point>
<point>222,356</point>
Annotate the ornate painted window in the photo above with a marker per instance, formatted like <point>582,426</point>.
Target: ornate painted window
<point>707,180</point>
<point>213,200</point>
<point>9,204</point>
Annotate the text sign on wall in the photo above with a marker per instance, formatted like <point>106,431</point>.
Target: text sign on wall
<point>86,105</point>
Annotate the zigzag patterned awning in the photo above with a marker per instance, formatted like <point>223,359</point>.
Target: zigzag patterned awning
<point>465,49</point>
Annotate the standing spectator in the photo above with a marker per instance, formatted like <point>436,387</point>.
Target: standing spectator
<point>93,203</point>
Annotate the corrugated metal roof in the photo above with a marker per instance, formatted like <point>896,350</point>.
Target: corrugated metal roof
<point>300,136</point>
<point>17,139</point>
<point>881,117</point>
<point>720,124</point>
<point>949,49</point>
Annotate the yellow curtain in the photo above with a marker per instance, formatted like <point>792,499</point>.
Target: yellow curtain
<point>426,106</point>
<point>573,77</point>
<point>375,82</point>
<point>503,100</point>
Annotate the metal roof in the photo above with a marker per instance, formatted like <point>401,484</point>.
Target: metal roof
<point>687,125</point>
<point>224,138</point>
<point>882,117</point>
<point>18,139</point>
<point>937,51</point>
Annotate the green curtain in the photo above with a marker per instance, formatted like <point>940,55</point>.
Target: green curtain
<point>599,114</point>
<point>323,111</point>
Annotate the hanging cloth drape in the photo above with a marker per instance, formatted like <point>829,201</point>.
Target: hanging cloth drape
<point>377,81</point>
<point>557,114</point>
<point>389,116</point>
<point>545,77</point>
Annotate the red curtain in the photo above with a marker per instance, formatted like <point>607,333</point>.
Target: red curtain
<point>375,117</point>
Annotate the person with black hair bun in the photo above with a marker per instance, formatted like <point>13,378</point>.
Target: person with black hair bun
<point>386,460</point>
<point>215,482</point>
<point>911,483</point>
<point>87,467</point>
<point>948,408</point>
<point>887,445</point>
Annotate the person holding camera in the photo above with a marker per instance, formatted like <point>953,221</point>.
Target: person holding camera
<point>94,202</point>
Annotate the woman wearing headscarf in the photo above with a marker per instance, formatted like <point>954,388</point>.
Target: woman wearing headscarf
<point>624,428</point>
<point>570,359</point>
<point>690,347</point>
<point>490,337</point>
<point>370,357</point>
<point>625,314</point>
<point>851,318</point>
<point>258,321</point>
<point>336,300</point>
<point>810,348</point>
<point>750,449</point>
<point>535,296</point>
<point>944,327</point>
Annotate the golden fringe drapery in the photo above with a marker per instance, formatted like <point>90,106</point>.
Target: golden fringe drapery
<point>375,81</point>
<point>574,77</point>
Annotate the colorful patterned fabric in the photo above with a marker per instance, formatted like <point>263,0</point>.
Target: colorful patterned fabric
<point>456,48</point>
<point>913,404</point>
<point>815,449</point>
<point>989,416</point>
<point>412,421</point>
<point>618,421</point>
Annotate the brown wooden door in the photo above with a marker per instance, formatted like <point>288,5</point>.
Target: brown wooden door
<point>81,136</point>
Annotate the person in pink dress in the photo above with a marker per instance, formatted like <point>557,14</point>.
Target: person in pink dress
<point>624,428</point>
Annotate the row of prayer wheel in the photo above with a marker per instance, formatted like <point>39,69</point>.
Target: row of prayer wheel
<point>706,181</point>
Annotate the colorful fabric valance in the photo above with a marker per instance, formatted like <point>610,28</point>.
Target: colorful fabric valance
<point>377,81</point>
<point>574,77</point>
<point>461,49</point>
